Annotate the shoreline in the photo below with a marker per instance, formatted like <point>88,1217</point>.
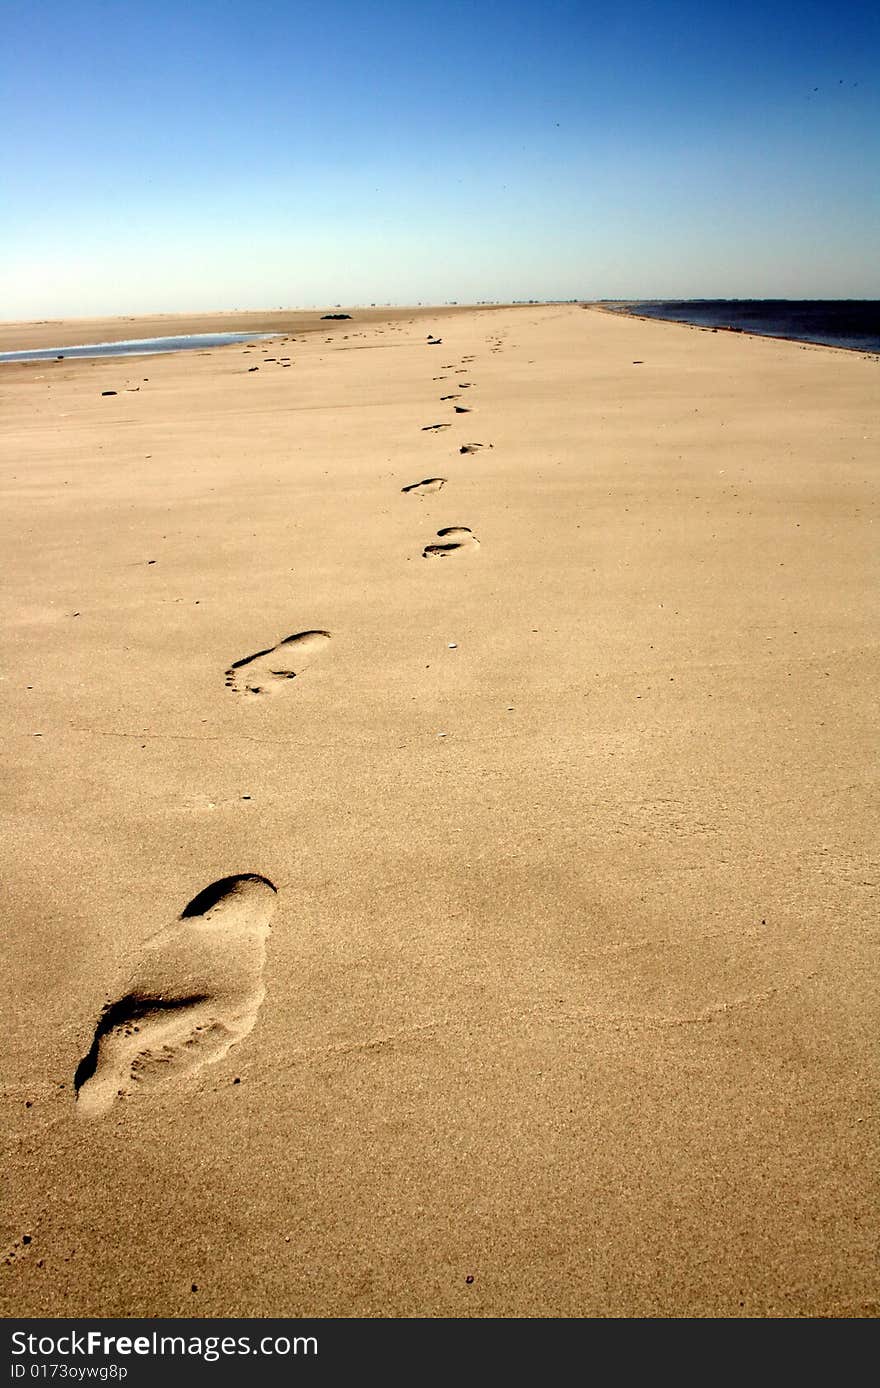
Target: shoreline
<point>623,312</point>
<point>41,334</point>
<point>85,351</point>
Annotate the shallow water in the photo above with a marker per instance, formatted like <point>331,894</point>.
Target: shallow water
<point>852,323</point>
<point>136,347</point>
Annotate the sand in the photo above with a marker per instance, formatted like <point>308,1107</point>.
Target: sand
<point>503,944</point>
<point>72,332</point>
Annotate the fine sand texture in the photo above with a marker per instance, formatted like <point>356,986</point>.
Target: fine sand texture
<point>440,850</point>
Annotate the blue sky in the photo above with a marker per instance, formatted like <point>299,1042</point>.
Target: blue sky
<point>168,156</point>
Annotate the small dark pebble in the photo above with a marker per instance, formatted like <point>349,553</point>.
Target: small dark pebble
<point>25,1238</point>
<point>237,1080</point>
<point>194,1288</point>
<point>108,392</point>
<point>469,1280</point>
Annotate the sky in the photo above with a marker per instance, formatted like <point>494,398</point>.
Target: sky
<point>179,155</point>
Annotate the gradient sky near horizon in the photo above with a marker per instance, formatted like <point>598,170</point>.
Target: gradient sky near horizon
<point>261,153</point>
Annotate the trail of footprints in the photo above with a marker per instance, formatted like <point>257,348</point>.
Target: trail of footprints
<point>197,986</point>
<point>453,541</point>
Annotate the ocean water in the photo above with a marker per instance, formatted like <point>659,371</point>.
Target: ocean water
<point>136,347</point>
<point>853,323</point>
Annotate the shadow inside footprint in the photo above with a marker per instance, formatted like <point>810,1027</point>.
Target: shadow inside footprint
<point>284,661</point>
<point>457,540</point>
<point>195,991</point>
<point>430,484</point>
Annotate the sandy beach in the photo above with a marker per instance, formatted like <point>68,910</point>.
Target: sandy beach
<point>504,944</point>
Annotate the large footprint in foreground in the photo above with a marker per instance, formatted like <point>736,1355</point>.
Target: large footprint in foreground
<point>195,991</point>
<point>267,669</point>
<point>457,540</point>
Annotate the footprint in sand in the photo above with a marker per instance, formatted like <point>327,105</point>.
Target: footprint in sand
<point>429,484</point>
<point>195,991</point>
<point>266,670</point>
<point>457,540</point>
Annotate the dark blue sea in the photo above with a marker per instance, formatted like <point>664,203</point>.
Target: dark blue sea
<point>135,347</point>
<point>853,323</point>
